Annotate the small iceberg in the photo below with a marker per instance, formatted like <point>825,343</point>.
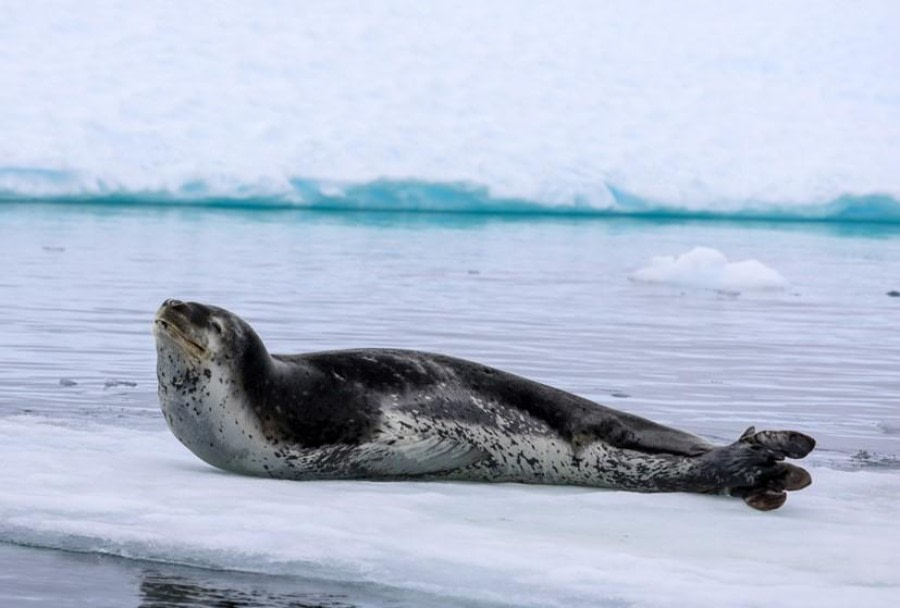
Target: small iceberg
<point>707,268</point>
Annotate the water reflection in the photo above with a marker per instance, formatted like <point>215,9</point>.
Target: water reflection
<point>161,590</point>
<point>62,579</point>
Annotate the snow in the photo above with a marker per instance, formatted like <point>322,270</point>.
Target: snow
<point>707,268</point>
<point>140,494</point>
<point>701,105</point>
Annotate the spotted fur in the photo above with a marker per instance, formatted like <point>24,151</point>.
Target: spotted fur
<point>395,414</point>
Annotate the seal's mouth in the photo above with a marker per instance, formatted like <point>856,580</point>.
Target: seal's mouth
<point>169,323</point>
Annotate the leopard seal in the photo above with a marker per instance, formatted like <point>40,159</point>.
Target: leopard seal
<point>386,414</point>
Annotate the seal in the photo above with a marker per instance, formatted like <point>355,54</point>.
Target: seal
<point>385,414</point>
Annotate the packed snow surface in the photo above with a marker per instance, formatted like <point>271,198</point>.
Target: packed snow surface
<point>759,108</point>
<point>707,268</point>
<point>141,494</point>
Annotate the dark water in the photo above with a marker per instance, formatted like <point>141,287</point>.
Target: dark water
<point>44,578</point>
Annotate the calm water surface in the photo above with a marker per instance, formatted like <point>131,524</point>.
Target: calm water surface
<point>549,298</point>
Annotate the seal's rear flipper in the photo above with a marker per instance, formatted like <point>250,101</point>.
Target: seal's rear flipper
<point>781,443</point>
<point>753,467</point>
<point>769,491</point>
<point>765,500</point>
<point>795,478</point>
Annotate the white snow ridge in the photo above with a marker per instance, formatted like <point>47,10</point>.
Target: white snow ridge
<point>704,106</point>
<point>707,268</point>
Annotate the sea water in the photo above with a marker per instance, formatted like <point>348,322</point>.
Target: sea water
<point>89,465</point>
<point>690,213</point>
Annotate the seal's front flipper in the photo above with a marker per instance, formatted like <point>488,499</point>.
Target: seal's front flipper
<point>414,456</point>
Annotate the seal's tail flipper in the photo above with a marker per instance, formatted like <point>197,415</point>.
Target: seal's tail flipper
<point>770,492</point>
<point>781,443</point>
<point>754,463</point>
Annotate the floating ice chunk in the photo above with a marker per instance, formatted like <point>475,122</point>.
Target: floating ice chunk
<point>707,268</point>
<point>113,383</point>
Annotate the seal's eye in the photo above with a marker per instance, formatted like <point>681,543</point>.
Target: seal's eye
<point>216,326</point>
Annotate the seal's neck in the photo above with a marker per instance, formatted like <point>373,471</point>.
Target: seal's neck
<point>206,406</point>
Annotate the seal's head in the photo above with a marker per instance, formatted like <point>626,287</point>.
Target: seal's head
<point>201,332</point>
<point>207,359</point>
